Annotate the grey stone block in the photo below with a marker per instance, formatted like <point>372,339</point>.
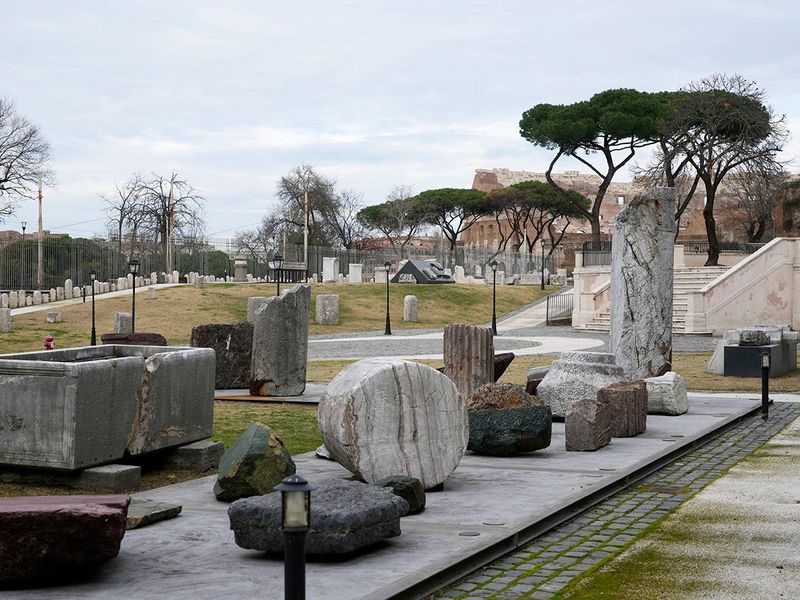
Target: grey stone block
<point>143,512</point>
<point>5,320</point>
<point>408,488</point>
<point>55,317</point>
<point>328,309</point>
<point>233,345</point>
<point>253,304</point>
<point>111,478</point>
<point>345,516</point>
<point>145,397</point>
<point>577,376</point>
<point>198,456</point>
<point>123,323</point>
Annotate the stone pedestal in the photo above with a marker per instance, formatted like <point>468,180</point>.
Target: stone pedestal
<point>280,344</point>
<point>628,401</point>
<point>641,284</point>
<point>5,320</point>
<point>468,356</point>
<point>68,288</point>
<point>330,269</point>
<point>381,417</point>
<point>55,317</point>
<point>151,293</point>
<point>355,272</point>
<point>328,309</point>
<point>577,376</point>
<point>381,274</point>
<point>37,297</point>
<point>410,312</point>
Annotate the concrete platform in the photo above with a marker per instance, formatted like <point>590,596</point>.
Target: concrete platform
<point>505,501</point>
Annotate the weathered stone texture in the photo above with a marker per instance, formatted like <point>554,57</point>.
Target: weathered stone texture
<point>382,416</point>
<point>410,309</point>
<point>666,395</point>
<point>641,284</point>
<point>753,337</point>
<point>628,401</point>
<point>254,465</point>
<point>577,376</point>
<point>502,360</point>
<point>5,320</point>
<point>47,537</point>
<point>501,395</point>
<point>345,516</point>
<point>327,309</point>
<point>587,425</point>
<point>468,356</point>
<point>508,431</point>
<point>134,339</point>
<point>280,344</point>
<point>253,304</point>
<point>330,269</point>
<point>55,317</point>
<point>123,322</point>
<point>233,346</point>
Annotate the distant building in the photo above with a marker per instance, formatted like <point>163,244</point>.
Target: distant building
<point>486,231</point>
<point>9,236</point>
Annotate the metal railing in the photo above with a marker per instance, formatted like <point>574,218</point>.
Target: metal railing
<point>596,254</point>
<point>559,309</point>
<point>701,247</point>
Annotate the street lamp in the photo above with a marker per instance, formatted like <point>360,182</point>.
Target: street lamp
<point>388,330</point>
<point>92,277</point>
<point>765,359</point>
<point>22,254</point>
<point>542,244</point>
<point>295,521</point>
<point>133,266</point>
<point>493,264</point>
<point>277,262</point>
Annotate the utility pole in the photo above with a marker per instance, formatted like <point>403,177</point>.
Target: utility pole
<point>40,260</point>
<point>305,231</point>
<point>170,212</point>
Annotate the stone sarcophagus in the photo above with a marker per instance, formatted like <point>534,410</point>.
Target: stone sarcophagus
<point>80,407</point>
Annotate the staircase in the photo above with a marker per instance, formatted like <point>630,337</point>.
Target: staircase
<point>687,279</point>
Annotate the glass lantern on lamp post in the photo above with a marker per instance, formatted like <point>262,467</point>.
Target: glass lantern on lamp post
<point>493,264</point>
<point>295,521</point>
<point>277,263</point>
<point>92,277</point>
<point>133,267</point>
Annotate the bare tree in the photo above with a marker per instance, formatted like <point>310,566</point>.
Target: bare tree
<point>341,218</point>
<point>165,198</point>
<point>756,189</point>
<point>260,243</point>
<point>398,219</point>
<point>23,158</point>
<point>124,208</point>
<point>321,192</point>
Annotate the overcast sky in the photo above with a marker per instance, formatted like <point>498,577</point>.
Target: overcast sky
<point>375,94</point>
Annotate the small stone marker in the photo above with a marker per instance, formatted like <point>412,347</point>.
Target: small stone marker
<point>410,312</point>
<point>3,300</point>
<point>383,416</point>
<point>123,322</point>
<point>37,297</point>
<point>68,289</point>
<point>146,512</point>
<point>587,425</point>
<point>666,395</point>
<point>628,401</point>
<point>330,269</point>
<point>355,271</point>
<point>328,309</point>
<point>345,516</point>
<point>576,376</point>
<point>254,465</point>
<point>468,356</point>
<point>55,317</point>
<point>253,304</point>
<point>151,293</point>
<point>5,320</point>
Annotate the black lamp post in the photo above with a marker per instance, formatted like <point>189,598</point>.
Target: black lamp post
<point>388,330</point>
<point>295,520</point>
<point>22,254</point>
<point>542,244</point>
<point>277,262</point>
<point>92,277</point>
<point>765,358</point>
<point>133,266</point>
<point>493,264</point>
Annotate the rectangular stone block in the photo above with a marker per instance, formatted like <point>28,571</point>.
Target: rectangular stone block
<point>145,397</point>
<point>5,320</point>
<point>355,272</point>
<point>628,401</point>
<point>199,456</point>
<point>330,269</point>
<point>55,317</point>
<point>233,346</point>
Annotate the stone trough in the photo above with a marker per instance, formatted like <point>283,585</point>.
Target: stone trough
<point>81,407</point>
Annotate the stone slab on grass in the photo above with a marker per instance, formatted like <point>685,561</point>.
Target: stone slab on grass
<point>346,516</point>
<point>46,537</point>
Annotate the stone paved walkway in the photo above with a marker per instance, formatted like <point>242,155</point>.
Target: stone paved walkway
<point>551,562</point>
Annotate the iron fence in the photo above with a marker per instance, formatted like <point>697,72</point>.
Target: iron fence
<point>596,254</point>
<point>559,308</point>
